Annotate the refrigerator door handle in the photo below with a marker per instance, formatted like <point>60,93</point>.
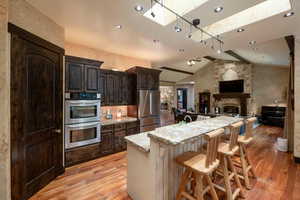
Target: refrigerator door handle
<point>150,103</point>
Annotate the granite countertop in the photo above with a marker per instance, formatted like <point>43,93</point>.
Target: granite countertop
<point>141,140</point>
<point>180,133</point>
<point>117,121</point>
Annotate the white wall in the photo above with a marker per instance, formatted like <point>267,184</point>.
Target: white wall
<point>297,99</point>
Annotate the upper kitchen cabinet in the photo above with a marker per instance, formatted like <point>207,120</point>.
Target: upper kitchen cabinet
<point>147,79</point>
<point>82,74</point>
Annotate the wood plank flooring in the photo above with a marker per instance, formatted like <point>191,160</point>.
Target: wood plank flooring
<point>105,178</point>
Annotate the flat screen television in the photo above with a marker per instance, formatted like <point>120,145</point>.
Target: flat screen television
<point>236,86</point>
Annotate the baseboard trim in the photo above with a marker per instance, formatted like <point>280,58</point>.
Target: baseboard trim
<point>297,160</point>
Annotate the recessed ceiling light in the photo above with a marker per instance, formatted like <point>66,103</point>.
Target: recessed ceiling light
<point>252,42</point>
<point>118,26</point>
<point>289,14</point>
<point>218,9</point>
<point>240,30</point>
<point>138,8</point>
<point>177,29</point>
<point>181,50</point>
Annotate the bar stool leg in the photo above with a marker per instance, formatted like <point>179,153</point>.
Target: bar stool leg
<point>199,187</point>
<point>237,180</point>
<point>249,162</point>
<point>226,178</point>
<point>244,167</point>
<point>212,188</point>
<point>183,182</point>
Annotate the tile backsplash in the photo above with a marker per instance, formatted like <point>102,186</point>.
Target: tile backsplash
<point>113,110</point>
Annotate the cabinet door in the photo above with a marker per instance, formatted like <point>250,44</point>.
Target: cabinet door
<point>120,143</point>
<point>142,81</point>
<point>131,89</point>
<point>74,77</point>
<point>102,86</point>
<point>107,142</point>
<point>91,79</point>
<point>110,85</point>
<point>124,89</point>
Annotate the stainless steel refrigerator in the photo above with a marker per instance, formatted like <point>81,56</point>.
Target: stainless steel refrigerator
<point>149,109</point>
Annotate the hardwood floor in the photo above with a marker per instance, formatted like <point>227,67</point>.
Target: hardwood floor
<point>105,178</point>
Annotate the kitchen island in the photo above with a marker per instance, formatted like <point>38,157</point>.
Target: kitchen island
<point>152,172</point>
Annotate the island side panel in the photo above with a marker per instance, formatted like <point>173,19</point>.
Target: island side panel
<point>140,177</point>
<point>167,172</point>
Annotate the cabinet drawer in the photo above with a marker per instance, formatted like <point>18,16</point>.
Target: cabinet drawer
<point>149,121</point>
<point>133,124</point>
<point>149,128</point>
<point>107,128</point>
<point>132,131</point>
<point>119,127</point>
<point>82,154</point>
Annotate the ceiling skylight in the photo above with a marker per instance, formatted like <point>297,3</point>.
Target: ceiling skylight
<point>163,17</point>
<point>251,15</point>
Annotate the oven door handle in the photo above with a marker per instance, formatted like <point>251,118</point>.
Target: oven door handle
<point>83,102</point>
<point>83,125</point>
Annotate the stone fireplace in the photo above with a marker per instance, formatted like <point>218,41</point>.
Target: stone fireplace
<point>233,102</point>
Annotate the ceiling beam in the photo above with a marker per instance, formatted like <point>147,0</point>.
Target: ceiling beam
<point>237,56</point>
<point>290,40</point>
<point>210,58</point>
<point>173,82</point>
<point>177,70</point>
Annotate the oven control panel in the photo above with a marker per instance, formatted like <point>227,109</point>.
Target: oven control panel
<point>82,96</point>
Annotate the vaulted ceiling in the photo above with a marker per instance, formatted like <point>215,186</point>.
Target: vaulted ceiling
<point>92,23</point>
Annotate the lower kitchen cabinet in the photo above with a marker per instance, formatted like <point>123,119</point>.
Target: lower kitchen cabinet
<point>112,141</point>
<point>107,140</point>
<point>120,143</point>
<point>82,154</point>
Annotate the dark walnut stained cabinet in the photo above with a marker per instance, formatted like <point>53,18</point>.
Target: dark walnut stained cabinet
<point>107,140</point>
<point>112,141</point>
<point>82,74</point>
<point>147,79</point>
<point>36,112</point>
<point>116,88</point>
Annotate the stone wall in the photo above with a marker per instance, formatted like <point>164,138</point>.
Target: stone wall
<point>167,95</point>
<point>297,99</point>
<point>228,71</point>
<point>4,104</point>
<point>265,83</point>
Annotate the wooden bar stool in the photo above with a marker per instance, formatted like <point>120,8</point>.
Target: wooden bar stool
<point>245,163</point>
<point>227,169</point>
<point>199,167</point>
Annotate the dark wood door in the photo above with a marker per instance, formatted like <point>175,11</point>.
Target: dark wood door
<point>91,79</point>
<point>74,77</point>
<point>36,113</point>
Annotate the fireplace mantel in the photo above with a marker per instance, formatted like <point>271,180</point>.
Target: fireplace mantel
<point>231,95</point>
<point>242,96</point>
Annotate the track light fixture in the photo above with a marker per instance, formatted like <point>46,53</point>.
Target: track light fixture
<point>152,13</point>
<point>194,23</point>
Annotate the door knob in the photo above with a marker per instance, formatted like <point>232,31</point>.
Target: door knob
<point>57,131</point>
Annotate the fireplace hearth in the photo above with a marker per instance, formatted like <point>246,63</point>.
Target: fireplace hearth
<point>231,110</point>
<point>241,96</point>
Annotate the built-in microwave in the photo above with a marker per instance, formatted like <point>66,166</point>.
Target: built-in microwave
<point>77,135</point>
